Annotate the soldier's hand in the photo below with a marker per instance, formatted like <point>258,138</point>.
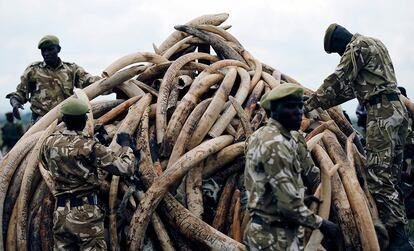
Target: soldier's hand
<point>16,106</point>
<point>309,199</point>
<point>330,229</point>
<point>123,139</point>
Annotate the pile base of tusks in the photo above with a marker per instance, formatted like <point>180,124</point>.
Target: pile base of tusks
<point>190,105</point>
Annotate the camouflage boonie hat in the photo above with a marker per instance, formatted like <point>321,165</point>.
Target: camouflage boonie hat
<point>74,106</point>
<point>328,37</point>
<point>280,92</point>
<point>48,40</point>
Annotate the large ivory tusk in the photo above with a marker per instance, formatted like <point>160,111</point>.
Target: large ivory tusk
<point>8,166</point>
<point>214,109</point>
<point>25,192</point>
<point>187,131</point>
<point>224,204</point>
<point>326,165</point>
<point>244,119</point>
<point>219,31</point>
<point>216,161</point>
<point>219,45</point>
<point>194,190</point>
<point>131,89</point>
<point>188,102</point>
<point>166,86</point>
<point>354,192</point>
<point>181,45</point>
<point>270,80</point>
<point>112,114</point>
<point>160,186</point>
<point>220,125</point>
<point>215,19</point>
<point>132,59</point>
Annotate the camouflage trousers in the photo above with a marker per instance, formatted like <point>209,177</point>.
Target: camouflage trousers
<point>266,237</point>
<point>388,126</point>
<point>79,228</point>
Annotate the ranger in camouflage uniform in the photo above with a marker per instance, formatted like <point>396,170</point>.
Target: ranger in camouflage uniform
<point>11,132</point>
<point>366,72</point>
<point>277,160</point>
<point>73,159</point>
<point>45,84</point>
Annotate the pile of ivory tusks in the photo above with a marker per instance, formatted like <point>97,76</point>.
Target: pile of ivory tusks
<point>190,113</point>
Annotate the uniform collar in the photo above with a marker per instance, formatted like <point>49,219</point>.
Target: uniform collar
<point>282,129</point>
<point>44,65</point>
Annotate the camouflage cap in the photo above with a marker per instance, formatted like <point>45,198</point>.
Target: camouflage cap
<point>280,92</point>
<point>328,37</point>
<point>48,40</point>
<point>74,106</point>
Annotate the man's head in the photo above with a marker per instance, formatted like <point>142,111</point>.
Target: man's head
<point>50,48</point>
<point>336,39</point>
<point>403,91</point>
<point>285,103</point>
<point>74,114</point>
<point>9,117</point>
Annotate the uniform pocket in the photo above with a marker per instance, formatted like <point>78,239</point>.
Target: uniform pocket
<point>258,237</point>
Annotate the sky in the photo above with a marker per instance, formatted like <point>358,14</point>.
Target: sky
<point>286,34</point>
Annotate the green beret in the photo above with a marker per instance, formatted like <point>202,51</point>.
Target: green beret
<point>328,37</point>
<point>74,106</point>
<point>280,92</point>
<point>48,40</point>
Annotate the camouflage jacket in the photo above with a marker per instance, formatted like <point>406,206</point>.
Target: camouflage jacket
<point>365,69</point>
<point>276,162</point>
<point>11,133</point>
<point>73,159</point>
<point>45,87</point>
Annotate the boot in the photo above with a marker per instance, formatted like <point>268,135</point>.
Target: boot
<point>399,239</point>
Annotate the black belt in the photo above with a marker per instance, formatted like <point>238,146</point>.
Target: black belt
<point>376,99</point>
<point>77,200</point>
<point>258,220</point>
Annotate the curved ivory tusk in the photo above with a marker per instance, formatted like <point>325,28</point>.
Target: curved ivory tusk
<point>215,19</point>
<point>145,87</point>
<point>219,31</point>
<point>25,192</point>
<point>214,109</point>
<point>181,45</point>
<point>132,59</point>
<point>270,80</point>
<point>131,89</point>
<point>112,114</point>
<point>47,177</point>
<point>311,143</point>
<point>247,127</point>
<point>188,102</point>
<point>8,166</point>
<point>326,166</point>
<point>166,86</point>
<point>187,131</point>
<point>194,190</point>
<point>159,188</point>
<point>220,125</point>
<point>215,162</point>
<point>219,45</point>
<point>103,106</point>
<point>321,128</point>
<point>355,193</point>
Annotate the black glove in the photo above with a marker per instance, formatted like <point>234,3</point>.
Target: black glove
<point>123,139</point>
<point>16,105</point>
<point>309,199</point>
<point>330,229</point>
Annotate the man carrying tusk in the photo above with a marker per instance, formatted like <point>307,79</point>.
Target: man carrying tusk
<point>45,84</point>
<point>366,72</point>
<point>278,164</point>
<point>72,159</point>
